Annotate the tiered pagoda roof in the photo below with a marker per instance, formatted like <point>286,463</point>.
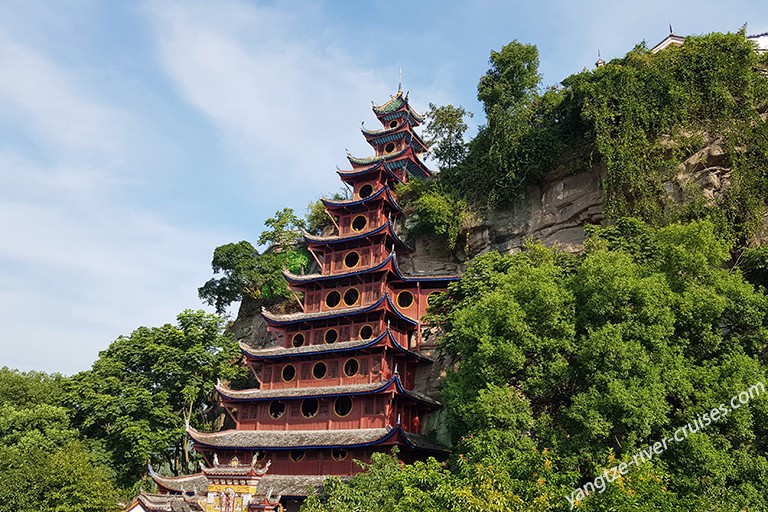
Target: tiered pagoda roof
<point>392,109</point>
<point>256,395</point>
<point>385,302</point>
<point>280,353</point>
<point>310,439</point>
<point>386,228</point>
<point>389,264</point>
<point>384,193</point>
<point>326,398</point>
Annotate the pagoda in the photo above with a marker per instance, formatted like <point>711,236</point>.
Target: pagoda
<point>339,383</point>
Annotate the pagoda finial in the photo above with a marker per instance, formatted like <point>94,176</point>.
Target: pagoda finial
<point>670,29</point>
<point>400,83</point>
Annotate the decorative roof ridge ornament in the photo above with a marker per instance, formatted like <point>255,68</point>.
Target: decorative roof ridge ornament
<point>151,470</point>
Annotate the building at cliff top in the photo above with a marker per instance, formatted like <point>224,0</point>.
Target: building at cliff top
<point>338,384</point>
<point>760,41</point>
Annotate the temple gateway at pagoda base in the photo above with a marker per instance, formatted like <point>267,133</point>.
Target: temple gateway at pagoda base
<point>338,384</point>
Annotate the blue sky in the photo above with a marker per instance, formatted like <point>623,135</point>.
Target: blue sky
<point>135,137</point>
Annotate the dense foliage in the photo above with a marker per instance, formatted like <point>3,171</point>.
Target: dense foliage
<point>142,390</point>
<point>638,117</point>
<point>566,365</point>
<point>47,465</point>
<point>246,272</point>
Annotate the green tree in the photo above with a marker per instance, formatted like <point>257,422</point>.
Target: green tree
<point>445,134</point>
<point>284,230</point>
<point>142,390</point>
<point>246,272</point>
<point>512,78</point>
<point>46,465</point>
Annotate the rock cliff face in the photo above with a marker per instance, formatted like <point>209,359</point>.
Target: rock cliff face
<point>554,212</point>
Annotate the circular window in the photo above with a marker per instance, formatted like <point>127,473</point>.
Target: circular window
<point>342,406</point>
<point>309,407</point>
<point>359,223</point>
<point>331,335</point>
<point>259,455</point>
<point>351,259</point>
<point>366,190</point>
<point>405,299</point>
<point>431,297</point>
<point>297,340</point>
<point>366,332</point>
<point>319,370</point>
<point>393,123</point>
<point>351,296</point>
<point>276,409</point>
<point>332,299</point>
<point>297,455</point>
<point>389,147</point>
<point>339,454</point>
<point>351,367</point>
<point>289,372</point>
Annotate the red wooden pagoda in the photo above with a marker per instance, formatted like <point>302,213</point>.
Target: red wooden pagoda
<point>339,384</point>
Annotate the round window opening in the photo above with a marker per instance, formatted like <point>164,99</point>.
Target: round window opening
<point>333,299</point>
<point>297,455</point>
<point>390,147</point>
<point>331,335</point>
<point>309,407</point>
<point>351,367</point>
<point>297,340</point>
<point>393,123</point>
<point>351,296</point>
<point>404,299</point>
<point>366,190</point>
<point>366,332</point>
<point>289,372</point>
<point>339,454</point>
<point>319,370</point>
<point>342,406</point>
<point>351,259</point>
<point>276,409</point>
<point>431,298</point>
<point>359,223</point>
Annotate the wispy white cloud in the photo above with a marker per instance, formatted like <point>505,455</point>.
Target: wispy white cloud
<point>280,91</point>
<point>79,264</point>
<point>46,100</point>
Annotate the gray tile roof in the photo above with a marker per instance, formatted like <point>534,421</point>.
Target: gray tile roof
<point>189,483</point>
<point>169,503</point>
<point>291,485</point>
<point>319,391</point>
<point>423,443</point>
<point>288,439</point>
<point>299,392</point>
<point>303,350</point>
